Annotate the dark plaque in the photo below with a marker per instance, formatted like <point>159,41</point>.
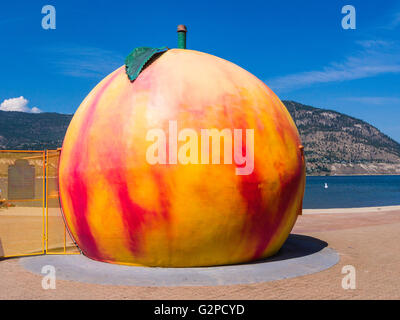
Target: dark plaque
<point>21,180</point>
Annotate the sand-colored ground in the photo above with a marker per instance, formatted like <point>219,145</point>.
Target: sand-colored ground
<point>367,239</point>
<point>22,230</point>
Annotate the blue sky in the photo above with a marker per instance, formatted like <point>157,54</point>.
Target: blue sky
<point>298,48</point>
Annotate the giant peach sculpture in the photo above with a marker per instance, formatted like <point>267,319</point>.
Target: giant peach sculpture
<point>137,188</point>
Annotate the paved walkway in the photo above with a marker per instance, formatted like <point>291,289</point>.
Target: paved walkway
<point>369,241</point>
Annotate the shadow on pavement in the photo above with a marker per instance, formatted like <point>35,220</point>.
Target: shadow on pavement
<point>296,246</point>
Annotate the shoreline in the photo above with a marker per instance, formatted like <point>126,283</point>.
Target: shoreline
<point>38,211</point>
<point>352,210</point>
<point>355,174</point>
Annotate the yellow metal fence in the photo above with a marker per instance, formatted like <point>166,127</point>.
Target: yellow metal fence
<point>31,220</point>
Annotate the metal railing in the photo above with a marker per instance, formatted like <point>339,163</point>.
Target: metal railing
<point>31,219</point>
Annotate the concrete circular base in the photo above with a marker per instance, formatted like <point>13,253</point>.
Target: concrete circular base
<point>300,255</point>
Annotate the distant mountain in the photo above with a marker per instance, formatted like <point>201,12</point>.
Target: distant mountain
<point>29,131</point>
<point>334,143</point>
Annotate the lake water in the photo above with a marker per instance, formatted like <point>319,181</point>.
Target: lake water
<point>351,192</point>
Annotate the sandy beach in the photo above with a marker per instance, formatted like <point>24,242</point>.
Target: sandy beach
<point>366,238</point>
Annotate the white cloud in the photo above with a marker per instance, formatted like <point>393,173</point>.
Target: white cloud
<point>396,20</point>
<point>18,104</point>
<point>374,100</point>
<point>393,22</point>
<point>375,43</point>
<point>376,57</point>
<point>81,61</point>
<point>36,110</point>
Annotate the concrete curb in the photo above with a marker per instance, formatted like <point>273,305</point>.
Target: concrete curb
<point>352,210</point>
<point>300,255</point>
